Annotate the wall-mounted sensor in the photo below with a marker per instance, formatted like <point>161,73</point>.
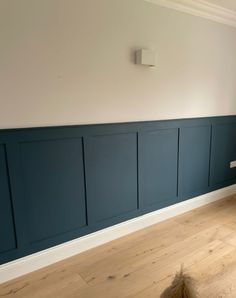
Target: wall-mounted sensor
<point>146,57</point>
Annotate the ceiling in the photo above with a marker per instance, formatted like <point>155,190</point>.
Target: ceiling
<point>221,11</point>
<point>229,4</point>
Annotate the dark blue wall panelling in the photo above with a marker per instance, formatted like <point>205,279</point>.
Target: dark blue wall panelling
<point>59,183</point>
<point>53,181</point>
<point>111,175</point>
<point>223,151</point>
<point>194,155</point>
<point>7,232</point>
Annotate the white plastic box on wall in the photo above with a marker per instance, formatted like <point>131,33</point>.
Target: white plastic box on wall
<point>146,57</point>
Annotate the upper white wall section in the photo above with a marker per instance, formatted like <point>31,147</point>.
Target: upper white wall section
<point>71,62</point>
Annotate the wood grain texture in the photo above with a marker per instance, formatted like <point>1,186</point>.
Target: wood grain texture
<point>143,264</point>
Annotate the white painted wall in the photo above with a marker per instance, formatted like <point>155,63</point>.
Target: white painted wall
<point>71,62</point>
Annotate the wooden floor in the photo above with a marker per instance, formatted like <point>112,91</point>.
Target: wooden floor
<point>143,264</point>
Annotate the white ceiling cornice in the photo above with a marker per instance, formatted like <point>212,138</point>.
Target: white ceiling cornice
<point>200,8</point>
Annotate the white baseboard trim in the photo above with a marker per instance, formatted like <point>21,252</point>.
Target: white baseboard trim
<point>49,256</point>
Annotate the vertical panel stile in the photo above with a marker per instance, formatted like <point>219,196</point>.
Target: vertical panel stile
<point>15,177</point>
<point>7,225</point>
<point>138,190</point>
<point>210,157</point>
<point>178,156</point>
<point>85,183</point>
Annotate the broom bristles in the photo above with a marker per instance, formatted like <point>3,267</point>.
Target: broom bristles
<point>183,286</point>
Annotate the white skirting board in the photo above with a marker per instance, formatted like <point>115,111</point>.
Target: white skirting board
<point>49,256</point>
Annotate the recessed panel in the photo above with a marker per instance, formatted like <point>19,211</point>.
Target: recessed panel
<point>223,153</point>
<point>54,187</point>
<point>7,232</point>
<point>111,175</point>
<point>194,157</point>
<point>158,152</point>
